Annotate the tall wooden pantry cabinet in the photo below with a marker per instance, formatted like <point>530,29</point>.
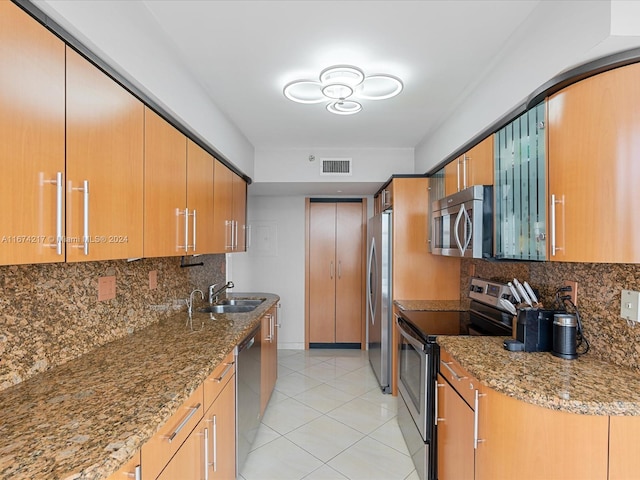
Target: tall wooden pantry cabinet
<point>335,279</point>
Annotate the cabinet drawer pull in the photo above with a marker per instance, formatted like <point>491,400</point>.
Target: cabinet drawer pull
<point>85,232</point>
<point>552,221</point>
<point>59,190</point>
<point>184,422</point>
<point>193,247</point>
<point>476,414</point>
<point>453,372</point>
<point>206,454</point>
<point>224,374</point>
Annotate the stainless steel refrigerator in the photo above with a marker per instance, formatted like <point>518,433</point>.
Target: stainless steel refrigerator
<point>379,311</point>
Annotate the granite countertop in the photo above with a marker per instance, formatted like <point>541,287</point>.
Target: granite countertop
<point>433,305</point>
<point>86,418</point>
<point>586,385</point>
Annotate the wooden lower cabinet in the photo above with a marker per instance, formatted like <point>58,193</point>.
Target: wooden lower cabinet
<point>269,356</point>
<point>624,461</point>
<point>220,431</point>
<point>519,440</point>
<point>456,454</point>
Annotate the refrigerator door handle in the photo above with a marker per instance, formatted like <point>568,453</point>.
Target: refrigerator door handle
<point>372,281</point>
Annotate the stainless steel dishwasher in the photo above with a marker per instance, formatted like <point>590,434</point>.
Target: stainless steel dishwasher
<point>247,394</point>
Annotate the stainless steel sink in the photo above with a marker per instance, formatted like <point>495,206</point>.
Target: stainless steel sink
<point>241,301</point>
<point>226,308</point>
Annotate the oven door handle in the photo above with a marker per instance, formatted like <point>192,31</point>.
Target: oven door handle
<point>416,343</point>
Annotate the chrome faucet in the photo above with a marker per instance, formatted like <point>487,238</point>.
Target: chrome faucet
<point>190,301</point>
<point>213,293</point>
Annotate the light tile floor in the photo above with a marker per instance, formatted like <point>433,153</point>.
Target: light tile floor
<point>326,420</point>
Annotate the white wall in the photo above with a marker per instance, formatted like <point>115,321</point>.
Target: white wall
<point>556,36</point>
<point>368,164</point>
<point>126,38</point>
<point>275,260</point>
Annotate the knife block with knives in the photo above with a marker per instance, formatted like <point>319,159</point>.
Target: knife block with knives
<point>533,325</point>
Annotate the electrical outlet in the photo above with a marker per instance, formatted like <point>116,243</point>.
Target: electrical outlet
<point>629,301</point>
<point>153,279</point>
<point>574,290</point>
<point>106,288</point>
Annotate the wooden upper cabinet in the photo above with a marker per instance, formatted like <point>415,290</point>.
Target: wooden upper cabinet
<point>105,166</point>
<point>239,189</point>
<point>480,163</point>
<point>165,189</point>
<point>222,207</point>
<point>200,199</point>
<point>32,144</point>
<point>475,167</point>
<point>452,183</point>
<point>593,171</point>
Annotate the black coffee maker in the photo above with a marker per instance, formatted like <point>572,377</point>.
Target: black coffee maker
<point>534,331</point>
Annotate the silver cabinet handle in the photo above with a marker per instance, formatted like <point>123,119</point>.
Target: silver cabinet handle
<point>236,234</point>
<point>193,247</point>
<point>184,422</point>
<point>269,338</point>
<point>453,372</point>
<point>435,399</point>
<point>339,268</point>
<point>331,270</point>
<point>247,233</point>
<point>458,174</point>
<point>59,192</point>
<point>136,474</point>
<point>476,414</point>
<point>186,229</point>
<point>272,324</point>
<point>224,374</point>
<point>85,233</point>
<point>464,171</point>
<point>215,443</point>
<point>228,234</point>
<point>206,454</point>
<point>552,220</point>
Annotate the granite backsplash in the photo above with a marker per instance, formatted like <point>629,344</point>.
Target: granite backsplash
<point>50,313</point>
<point>599,291</point>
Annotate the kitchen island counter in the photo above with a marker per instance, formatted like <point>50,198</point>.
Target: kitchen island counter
<point>587,385</point>
<point>86,418</point>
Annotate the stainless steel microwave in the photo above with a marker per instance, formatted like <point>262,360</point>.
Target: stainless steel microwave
<point>462,223</point>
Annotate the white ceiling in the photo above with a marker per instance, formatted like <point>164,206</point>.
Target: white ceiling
<point>244,52</point>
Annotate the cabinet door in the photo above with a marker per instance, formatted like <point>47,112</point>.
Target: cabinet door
<point>348,307</point>
<point>527,442</point>
<point>452,177</point>
<point>200,199</point>
<point>222,208</point>
<point>239,188</point>
<point>105,132</point>
<point>456,452</point>
<point>165,188</point>
<point>624,462</point>
<point>220,421</point>
<point>322,272</point>
<point>189,461</point>
<point>480,163</point>
<point>594,168</point>
<point>32,144</point>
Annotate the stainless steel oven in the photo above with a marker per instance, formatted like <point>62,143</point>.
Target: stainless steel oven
<point>417,367</point>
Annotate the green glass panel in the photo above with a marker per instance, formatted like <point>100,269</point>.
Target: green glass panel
<point>520,188</point>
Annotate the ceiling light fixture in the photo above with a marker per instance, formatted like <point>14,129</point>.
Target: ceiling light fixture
<point>341,86</point>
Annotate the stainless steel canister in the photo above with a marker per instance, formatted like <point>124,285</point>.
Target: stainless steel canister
<point>565,335</point>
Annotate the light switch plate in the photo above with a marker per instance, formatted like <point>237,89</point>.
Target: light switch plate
<point>629,302</point>
<point>153,279</point>
<point>106,288</point>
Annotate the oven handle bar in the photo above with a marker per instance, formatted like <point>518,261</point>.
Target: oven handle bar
<point>408,335</point>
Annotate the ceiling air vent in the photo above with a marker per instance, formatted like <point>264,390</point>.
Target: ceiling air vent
<point>335,166</point>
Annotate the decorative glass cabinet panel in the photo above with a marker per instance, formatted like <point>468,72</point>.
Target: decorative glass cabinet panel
<point>436,192</point>
<point>520,187</point>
